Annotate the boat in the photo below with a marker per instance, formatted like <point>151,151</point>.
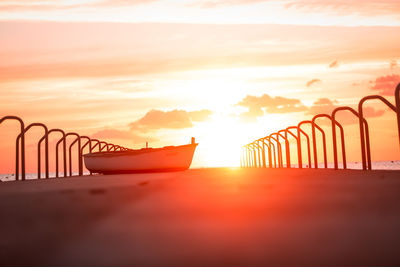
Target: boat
<point>164,159</point>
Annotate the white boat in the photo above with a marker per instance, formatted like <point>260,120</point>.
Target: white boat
<point>169,158</point>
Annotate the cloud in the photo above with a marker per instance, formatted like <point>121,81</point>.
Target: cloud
<point>107,134</point>
<point>322,105</point>
<point>311,82</point>
<point>386,84</point>
<point>175,119</point>
<point>154,120</point>
<point>257,105</point>
<point>334,64</point>
<point>200,115</point>
<point>326,106</point>
<point>113,134</point>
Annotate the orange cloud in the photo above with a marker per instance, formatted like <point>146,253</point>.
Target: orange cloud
<point>175,119</point>
<point>258,104</point>
<point>200,115</point>
<point>113,134</point>
<point>334,64</point>
<point>313,81</point>
<point>121,135</point>
<point>154,120</point>
<point>322,105</point>
<point>386,84</point>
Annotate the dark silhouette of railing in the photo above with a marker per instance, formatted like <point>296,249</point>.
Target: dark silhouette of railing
<point>46,143</point>
<point>366,130</point>
<point>250,159</point>
<point>22,136</point>
<point>64,151</point>
<point>105,146</point>
<point>278,149</point>
<point>77,139</point>
<point>324,140</point>
<point>97,144</point>
<point>20,150</point>
<point>366,161</point>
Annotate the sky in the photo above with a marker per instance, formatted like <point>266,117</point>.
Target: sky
<point>226,72</point>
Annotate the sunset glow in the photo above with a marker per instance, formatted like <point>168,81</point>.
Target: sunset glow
<point>225,72</point>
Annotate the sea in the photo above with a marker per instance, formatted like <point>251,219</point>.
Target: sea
<point>376,165</point>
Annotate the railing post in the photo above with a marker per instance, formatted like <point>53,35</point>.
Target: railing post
<point>22,133</point>
<point>19,138</point>
<point>366,159</point>
<point>397,101</point>
<point>297,138</point>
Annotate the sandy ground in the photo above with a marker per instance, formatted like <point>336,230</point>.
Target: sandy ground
<point>204,217</point>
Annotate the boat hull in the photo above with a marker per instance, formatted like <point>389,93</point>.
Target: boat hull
<point>175,158</point>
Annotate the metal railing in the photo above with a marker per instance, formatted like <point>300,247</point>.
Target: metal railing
<point>20,150</point>
<point>252,158</point>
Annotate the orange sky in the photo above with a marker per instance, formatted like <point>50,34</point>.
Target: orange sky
<point>223,71</point>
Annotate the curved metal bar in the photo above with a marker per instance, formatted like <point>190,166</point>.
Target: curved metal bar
<point>299,160</point>
<point>397,101</point>
<point>64,150</point>
<point>246,155</point>
<point>110,146</point>
<point>22,133</point>
<point>258,151</point>
<point>253,155</point>
<point>249,155</point>
<point>315,143</point>
<point>269,152</point>
<point>319,129</point>
<point>272,147</point>
<point>105,145</point>
<point>242,158</point>
<point>252,146</point>
<point>46,144</point>
<point>263,160</point>
<point>257,145</point>
<point>78,139</point>
<point>287,148</point>
<point>97,144</point>
<point>63,139</point>
<point>299,132</point>
<point>366,128</point>
<point>278,148</point>
<point>88,142</point>
<point>366,163</point>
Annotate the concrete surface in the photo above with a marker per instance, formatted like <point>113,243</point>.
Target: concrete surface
<point>204,217</point>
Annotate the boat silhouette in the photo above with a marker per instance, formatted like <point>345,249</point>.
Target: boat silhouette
<point>163,159</point>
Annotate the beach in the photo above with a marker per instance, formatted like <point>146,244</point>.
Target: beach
<point>204,217</point>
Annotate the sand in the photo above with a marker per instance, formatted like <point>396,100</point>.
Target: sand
<point>204,217</point>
